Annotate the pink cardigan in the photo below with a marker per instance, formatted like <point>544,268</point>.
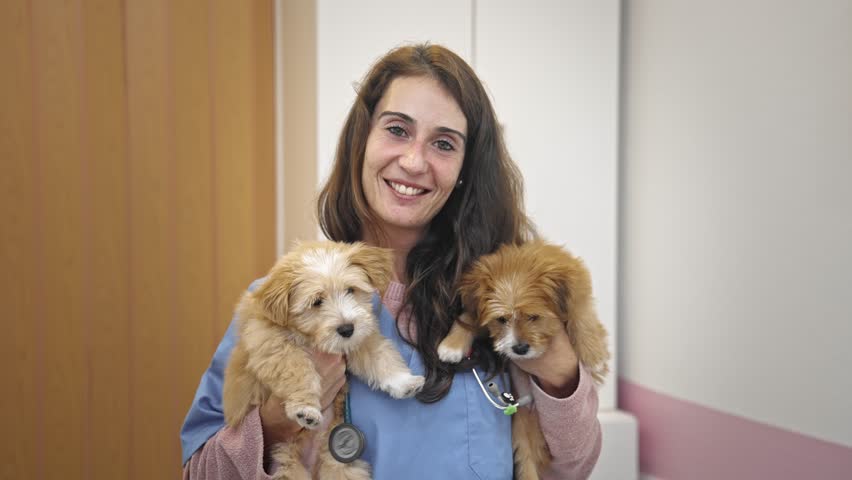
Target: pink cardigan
<point>570,427</point>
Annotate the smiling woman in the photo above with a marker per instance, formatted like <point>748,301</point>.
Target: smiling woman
<point>421,169</point>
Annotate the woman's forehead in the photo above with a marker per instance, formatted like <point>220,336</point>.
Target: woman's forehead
<point>425,101</point>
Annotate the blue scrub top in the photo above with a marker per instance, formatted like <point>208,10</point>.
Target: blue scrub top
<point>460,437</point>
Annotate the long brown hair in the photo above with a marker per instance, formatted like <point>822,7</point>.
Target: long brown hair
<point>484,213</point>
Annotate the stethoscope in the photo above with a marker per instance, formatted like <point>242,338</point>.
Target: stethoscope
<point>346,442</point>
<point>506,400</point>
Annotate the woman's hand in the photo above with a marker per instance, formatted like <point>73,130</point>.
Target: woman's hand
<point>557,371</point>
<point>276,426</point>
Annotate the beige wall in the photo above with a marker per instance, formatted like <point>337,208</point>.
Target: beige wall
<point>136,203</point>
<point>736,226</point>
<point>297,44</point>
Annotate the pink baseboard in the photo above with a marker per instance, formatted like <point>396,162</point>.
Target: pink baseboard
<point>681,440</point>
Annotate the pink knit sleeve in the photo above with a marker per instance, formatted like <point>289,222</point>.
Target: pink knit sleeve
<point>570,426</point>
<point>233,453</point>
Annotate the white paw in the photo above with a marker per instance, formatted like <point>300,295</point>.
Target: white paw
<point>403,385</point>
<point>305,415</point>
<point>449,355</point>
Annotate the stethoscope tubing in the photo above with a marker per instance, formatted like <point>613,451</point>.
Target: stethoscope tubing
<point>486,393</point>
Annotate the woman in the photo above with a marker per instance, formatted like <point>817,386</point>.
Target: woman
<point>420,168</point>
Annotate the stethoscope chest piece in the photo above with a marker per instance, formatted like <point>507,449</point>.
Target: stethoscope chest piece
<point>346,443</point>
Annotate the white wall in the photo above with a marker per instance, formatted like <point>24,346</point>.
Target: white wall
<point>552,71</point>
<point>737,208</point>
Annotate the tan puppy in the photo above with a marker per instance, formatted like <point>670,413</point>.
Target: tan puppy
<point>318,296</point>
<point>521,296</point>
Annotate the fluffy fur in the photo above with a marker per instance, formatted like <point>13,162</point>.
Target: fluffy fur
<point>318,296</point>
<point>521,296</point>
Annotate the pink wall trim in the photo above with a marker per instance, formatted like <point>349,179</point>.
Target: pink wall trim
<point>681,440</point>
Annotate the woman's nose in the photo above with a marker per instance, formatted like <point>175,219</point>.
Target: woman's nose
<point>413,161</point>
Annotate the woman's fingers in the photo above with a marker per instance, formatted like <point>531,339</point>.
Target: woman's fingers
<point>332,370</point>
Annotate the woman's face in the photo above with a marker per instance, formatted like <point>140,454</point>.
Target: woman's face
<point>414,154</point>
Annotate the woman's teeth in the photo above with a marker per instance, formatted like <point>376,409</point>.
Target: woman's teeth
<point>402,189</point>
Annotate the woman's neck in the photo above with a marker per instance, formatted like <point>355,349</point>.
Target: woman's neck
<point>401,241</point>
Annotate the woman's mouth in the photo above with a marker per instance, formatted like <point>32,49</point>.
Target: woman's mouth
<point>405,190</point>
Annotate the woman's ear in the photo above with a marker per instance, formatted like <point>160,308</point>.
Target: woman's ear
<point>377,264</point>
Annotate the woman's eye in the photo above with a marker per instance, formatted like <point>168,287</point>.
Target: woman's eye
<point>317,302</point>
<point>396,130</point>
<point>502,320</point>
<point>350,290</point>
<point>445,145</point>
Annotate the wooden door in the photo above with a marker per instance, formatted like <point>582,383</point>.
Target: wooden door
<point>136,203</point>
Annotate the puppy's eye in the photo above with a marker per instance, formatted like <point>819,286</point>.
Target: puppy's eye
<point>317,302</point>
<point>350,290</point>
<point>533,318</point>
<point>502,320</point>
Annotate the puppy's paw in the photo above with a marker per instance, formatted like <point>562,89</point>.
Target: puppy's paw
<point>403,385</point>
<point>306,415</point>
<point>449,354</point>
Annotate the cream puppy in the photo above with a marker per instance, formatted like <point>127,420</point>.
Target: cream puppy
<point>318,296</point>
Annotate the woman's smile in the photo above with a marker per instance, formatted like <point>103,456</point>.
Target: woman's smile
<point>406,190</point>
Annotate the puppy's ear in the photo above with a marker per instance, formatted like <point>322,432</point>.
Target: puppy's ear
<point>561,296</point>
<point>564,278</point>
<point>570,288</point>
<point>376,262</point>
<point>274,294</point>
<point>589,339</point>
<point>474,286</point>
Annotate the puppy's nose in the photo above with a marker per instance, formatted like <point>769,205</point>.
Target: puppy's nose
<point>346,330</point>
<point>521,348</point>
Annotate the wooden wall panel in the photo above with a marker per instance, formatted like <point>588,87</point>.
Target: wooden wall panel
<point>107,251</point>
<point>196,280</point>
<point>233,107</point>
<point>59,109</point>
<point>151,237</point>
<point>136,206</point>
<point>18,250</point>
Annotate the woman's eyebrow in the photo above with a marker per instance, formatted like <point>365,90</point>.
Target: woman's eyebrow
<point>397,114</point>
<point>407,118</point>
<point>450,130</point>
